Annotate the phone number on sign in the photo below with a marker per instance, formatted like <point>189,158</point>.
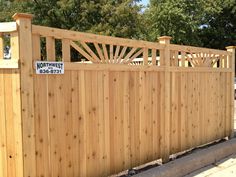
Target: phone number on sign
<point>52,71</point>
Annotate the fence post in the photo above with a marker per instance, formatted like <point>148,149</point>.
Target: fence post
<point>27,92</point>
<point>165,57</point>
<point>232,66</point>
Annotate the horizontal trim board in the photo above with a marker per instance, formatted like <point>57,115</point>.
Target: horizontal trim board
<point>198,49</point>
<point>7,64</point>
<point>116,67</point>
<point>8,27</point>
<point>88,37</point>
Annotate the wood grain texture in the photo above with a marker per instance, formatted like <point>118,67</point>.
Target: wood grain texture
<point>110,115</point>
<point>11,157</point>
<point>1,47</point>
<point>116,117</point>
<point>27,94</point>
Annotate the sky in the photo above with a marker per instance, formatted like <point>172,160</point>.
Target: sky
<point>145,2</point>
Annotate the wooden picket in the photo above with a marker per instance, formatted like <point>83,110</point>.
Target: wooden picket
<point>121,104</point>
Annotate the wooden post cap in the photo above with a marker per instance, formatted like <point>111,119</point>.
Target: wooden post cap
<point>165,38</point>
<point>22,15</point>
<point>230,47</point>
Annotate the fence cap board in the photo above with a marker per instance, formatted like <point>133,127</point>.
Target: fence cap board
<point>8,27</point>
<point>231,47</point>
<point>22,15</point>
<point>198,49</point>
<point>9,64</point>
<point>91,38</point>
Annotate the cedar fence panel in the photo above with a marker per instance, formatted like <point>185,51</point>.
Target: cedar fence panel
<point>123,104</point>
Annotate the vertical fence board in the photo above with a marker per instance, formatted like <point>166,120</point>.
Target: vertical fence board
<point>10,131</point>
<point>221,104</point>
<point>217,106</point>
<point>67,90</point>
<point>11,158</point>
<point>179,111</point>
<point>201,112</point>
<point>228,101</point>
<point>195,110</point>
<point>50,48</point>
<point>118,121</point>
<point>82,124</point>
<point>3,133</point>
<point>174,114</point>
<point>162,114</point>
<point>14,40</point>
<point>53,123</point>
<point>17,122</point>
<point>183,111</point>
<point>66,56</point>
<point>106,123</point>
<point>126,112</point>
<point>155,103</point>
<point>42,128</point>
<point>75,120</point>
<point>189,109</point>
<point>41,116</point>
<point>205,107</point>
<point>134,118</point>
<point>1,46</point>
<point>101,129</point>
<point>143,122</point>
<point>112,80</point>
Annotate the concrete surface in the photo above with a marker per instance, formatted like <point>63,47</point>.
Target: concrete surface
<point>223,168</point>
<point>190,163</point>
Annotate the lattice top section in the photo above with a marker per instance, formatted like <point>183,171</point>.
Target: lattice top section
<point>97,49</point>
<point>186,56</point>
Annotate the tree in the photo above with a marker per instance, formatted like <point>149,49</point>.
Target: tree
<point>208,23</point>
<point>176,18</point>
<point>219,24</point>
<point>8,8</point>
<point>110,17</point>
<point>116,18</point>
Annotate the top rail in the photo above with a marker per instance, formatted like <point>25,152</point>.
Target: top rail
<point>88,37</point>
<point>9,48</point>
<point>6,27</point>
<point>192,49</point>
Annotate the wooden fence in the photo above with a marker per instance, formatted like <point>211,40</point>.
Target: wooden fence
<point>120,104</point>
